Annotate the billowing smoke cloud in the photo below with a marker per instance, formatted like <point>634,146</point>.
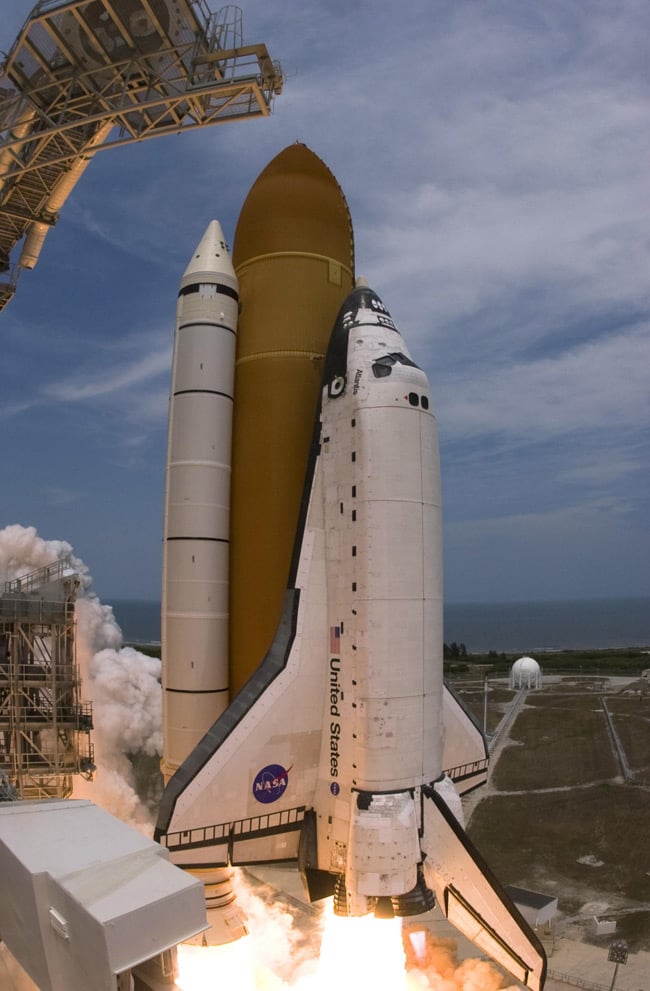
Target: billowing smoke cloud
<point>122,683</point>
<point>22,551</point>
<point>286,939</point>
<point>124,687</point>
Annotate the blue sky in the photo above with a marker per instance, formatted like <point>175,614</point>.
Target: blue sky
<point>494,154</point>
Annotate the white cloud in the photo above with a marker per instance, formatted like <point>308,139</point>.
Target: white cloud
<point>121,376</point>
<point>601,472</point>
<point>59,496</point>
<point>563,522</point>
<point>600,384</point>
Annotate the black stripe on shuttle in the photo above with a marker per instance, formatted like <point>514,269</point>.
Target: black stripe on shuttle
<point>202,691</point>
<point>207,323</point>
<point>223,845</point>
<point>219,286</point>
<point>215,540</point>
<point>204,392</point>
<point>314,452</point>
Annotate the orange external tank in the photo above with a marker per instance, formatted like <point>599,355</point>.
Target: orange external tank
<point>294,258</point>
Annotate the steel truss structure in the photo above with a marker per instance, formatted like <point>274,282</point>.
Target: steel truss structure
<point>87,75</point>
<point>44,727</point>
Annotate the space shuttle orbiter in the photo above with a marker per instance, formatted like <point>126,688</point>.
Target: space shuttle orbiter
<point>333,754</point>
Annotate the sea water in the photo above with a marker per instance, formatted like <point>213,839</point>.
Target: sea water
<point>535,626</point>
<point>506,626</point>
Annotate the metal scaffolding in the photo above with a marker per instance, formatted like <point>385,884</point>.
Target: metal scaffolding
<point>44,727</point>
<point>87,75</point>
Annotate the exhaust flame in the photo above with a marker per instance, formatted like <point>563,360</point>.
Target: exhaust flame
<point>367,950</point>
<point>354,953</point>
<point>201,967</point>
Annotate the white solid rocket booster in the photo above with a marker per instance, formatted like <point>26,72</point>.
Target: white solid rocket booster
<point>197,500</point>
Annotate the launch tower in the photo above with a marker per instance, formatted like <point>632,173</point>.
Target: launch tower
<point>44,727</point>
<point>85,75</point>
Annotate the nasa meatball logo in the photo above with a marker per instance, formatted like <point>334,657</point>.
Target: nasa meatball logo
<point>335,788</point>
<point>270,783</point>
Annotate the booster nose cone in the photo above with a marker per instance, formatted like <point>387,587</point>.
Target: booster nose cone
<point>210,256</point>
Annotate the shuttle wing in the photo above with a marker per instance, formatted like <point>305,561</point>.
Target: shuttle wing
<point>465,753</point>
<point>255,770</point>
<point>471,897</point>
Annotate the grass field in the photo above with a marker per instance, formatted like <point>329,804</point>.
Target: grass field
<point>499,699</point>
<point>536,840</point>
<point>559,747</point>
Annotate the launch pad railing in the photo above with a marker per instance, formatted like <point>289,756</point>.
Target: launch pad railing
<point>463,771</point>
<point>41,576</point>
<point>251,828</point>
<point>578,982</point>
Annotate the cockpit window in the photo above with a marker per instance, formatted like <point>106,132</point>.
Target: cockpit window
<point>383,366</point>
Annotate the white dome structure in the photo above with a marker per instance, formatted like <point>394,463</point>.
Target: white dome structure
<point>526,673</point>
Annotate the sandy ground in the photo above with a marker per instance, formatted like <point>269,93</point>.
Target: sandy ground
<point>590,963</point>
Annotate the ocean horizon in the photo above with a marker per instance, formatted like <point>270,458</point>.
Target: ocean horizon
<point>483,626</point>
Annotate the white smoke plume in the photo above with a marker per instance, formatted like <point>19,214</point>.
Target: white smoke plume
<point>122,683</point>
<point>124,687</point>
<point>285,938</point>
<point>22,551</point>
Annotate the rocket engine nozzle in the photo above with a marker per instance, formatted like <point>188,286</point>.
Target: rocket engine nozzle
<point>420,899</point>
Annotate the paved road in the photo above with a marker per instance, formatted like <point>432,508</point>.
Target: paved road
<point>590,963</point>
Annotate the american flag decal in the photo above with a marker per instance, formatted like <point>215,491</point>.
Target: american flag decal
<point>335,639</point>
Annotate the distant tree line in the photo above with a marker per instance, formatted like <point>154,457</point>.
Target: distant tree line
<point>452,651</point>
<point>629,661</point>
